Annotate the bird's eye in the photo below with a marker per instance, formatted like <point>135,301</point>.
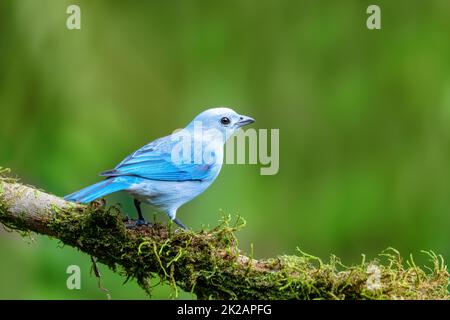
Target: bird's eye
<point>225,121</point>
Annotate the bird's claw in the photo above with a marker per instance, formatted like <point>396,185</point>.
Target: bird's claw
<point>136,224</point>
<point>141,222</point>
<point>180,224</point>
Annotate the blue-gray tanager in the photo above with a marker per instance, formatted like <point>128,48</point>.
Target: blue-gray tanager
<point>172,170</point>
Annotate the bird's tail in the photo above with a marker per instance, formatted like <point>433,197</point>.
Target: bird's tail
<point>99,190</point>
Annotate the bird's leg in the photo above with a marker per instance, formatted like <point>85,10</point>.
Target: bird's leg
<point>141,221</point>
<point>180,224</point>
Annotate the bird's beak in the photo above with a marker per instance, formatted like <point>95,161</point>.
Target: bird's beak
<point>244,120</point>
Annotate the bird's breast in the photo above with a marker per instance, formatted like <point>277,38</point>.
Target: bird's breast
<point>167,194</point>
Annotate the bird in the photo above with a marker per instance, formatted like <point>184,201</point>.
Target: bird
<point>171,171</point>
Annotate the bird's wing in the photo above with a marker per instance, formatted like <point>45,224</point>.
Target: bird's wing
<point>154,162</point>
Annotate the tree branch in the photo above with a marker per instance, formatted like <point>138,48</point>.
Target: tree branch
<point>209,263</point>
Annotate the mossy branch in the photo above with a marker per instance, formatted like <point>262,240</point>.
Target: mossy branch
<point>209,262</point>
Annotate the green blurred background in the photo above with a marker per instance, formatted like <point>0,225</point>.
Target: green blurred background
<point>364,119</point>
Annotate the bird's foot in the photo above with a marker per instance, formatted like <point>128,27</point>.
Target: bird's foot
<point>141,222</point>
<point>130,224</point>
<point>180,224</point>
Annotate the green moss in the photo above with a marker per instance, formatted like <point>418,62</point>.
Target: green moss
<point>210,264</point>
<point>3,178</point>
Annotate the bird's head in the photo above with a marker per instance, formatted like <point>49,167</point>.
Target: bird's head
<point>225,121</point>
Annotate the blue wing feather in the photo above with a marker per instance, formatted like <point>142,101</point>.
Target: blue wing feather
<point>154,162</point>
